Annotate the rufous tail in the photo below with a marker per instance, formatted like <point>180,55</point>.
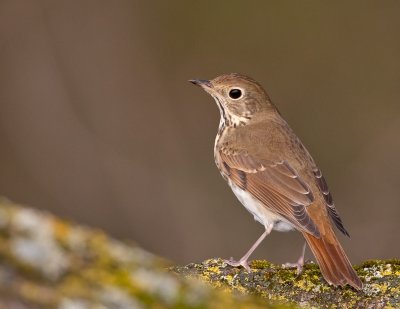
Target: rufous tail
<point>333,262</point>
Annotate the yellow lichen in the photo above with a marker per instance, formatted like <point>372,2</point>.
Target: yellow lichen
<point>304,285</point>
<point>260,264</point>
<point>214,270</point>
<point>60,230</point>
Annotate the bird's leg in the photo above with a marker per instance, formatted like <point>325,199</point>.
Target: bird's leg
<point>243,261</point>
<point>300,262</point>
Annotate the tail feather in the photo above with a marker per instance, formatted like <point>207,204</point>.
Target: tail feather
<point>333,262</point>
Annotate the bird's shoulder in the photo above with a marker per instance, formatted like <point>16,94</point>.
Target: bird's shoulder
<point>265,139</point>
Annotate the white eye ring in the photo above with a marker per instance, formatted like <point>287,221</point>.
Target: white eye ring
<point>235,93</point>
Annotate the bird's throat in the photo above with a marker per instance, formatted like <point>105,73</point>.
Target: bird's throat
<point>229,119</point>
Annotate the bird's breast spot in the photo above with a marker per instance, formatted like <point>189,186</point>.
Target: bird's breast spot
<point>259,211</point>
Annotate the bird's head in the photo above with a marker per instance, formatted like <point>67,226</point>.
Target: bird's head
<point>238,97</point>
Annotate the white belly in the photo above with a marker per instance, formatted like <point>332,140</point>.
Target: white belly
<point>260,212</point>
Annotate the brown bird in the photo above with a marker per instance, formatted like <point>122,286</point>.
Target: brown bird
<point>274,176</point>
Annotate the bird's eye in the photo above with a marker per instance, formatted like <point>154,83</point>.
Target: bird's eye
<point>235,93</point>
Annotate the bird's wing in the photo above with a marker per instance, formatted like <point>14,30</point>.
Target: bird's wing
<point>333,213</point>
<point>275,184</point>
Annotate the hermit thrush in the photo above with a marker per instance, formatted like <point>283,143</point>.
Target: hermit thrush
<point>274,176</point>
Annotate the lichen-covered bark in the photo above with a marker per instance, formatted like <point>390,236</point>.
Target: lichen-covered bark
<point>46,262</point>
<point>381,283</point>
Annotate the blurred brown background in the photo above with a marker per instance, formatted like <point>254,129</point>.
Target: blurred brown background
<point>98,123</point>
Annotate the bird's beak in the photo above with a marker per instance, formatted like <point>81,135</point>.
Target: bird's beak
<point>203,83</point>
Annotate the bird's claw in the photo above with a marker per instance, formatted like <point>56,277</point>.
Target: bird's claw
<point>299,265</point>
<point>235,263</point>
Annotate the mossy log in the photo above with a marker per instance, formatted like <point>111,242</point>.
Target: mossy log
<point>281,285</point>
<point>46,262</point>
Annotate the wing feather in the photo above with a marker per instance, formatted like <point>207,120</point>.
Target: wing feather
<point>275,184</point>
<point>332,211</point>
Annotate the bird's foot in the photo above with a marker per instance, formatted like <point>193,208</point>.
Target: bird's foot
<point>241,262</point>
<point>298,265</point>
<point>300,262</point>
